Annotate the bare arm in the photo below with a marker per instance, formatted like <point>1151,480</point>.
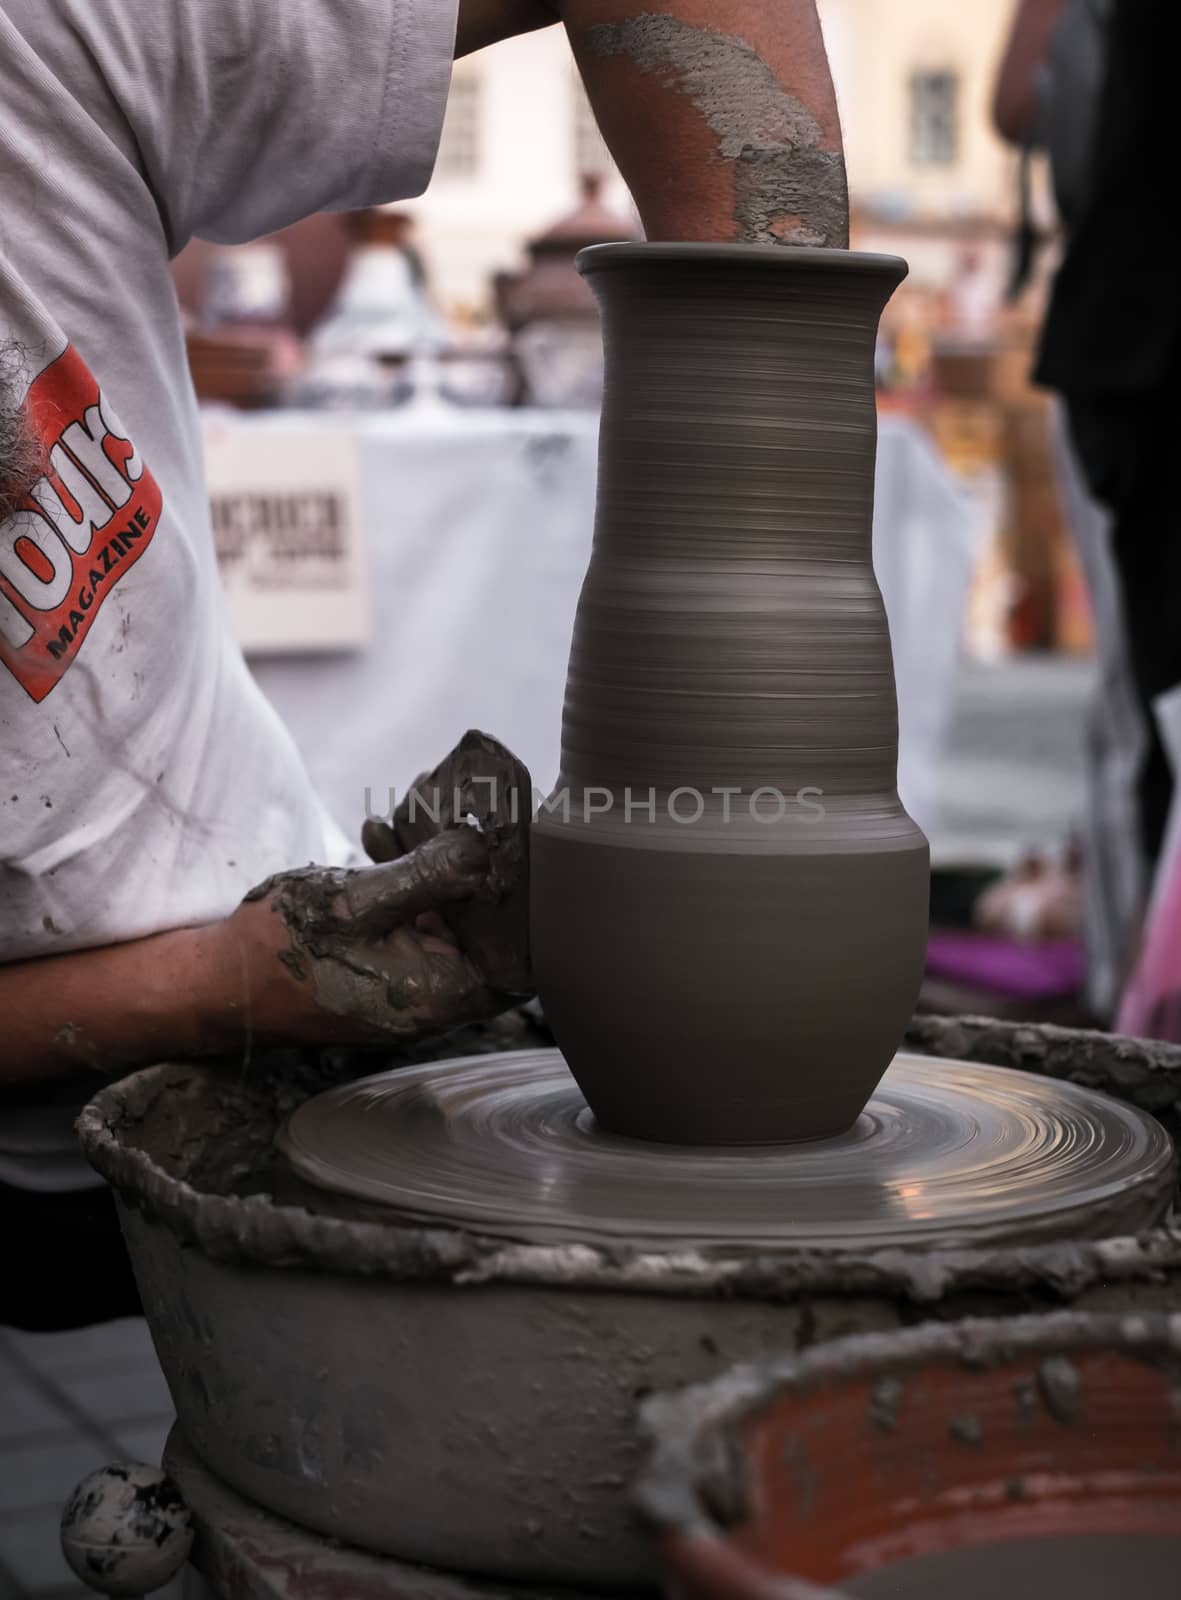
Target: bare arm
<point>720,113</point>
<point>1014,100</point>
<point>118,1006</point>
<point>314,956</point>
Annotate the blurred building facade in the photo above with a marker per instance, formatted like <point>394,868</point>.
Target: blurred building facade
<point>913,79</point>
<point>517,136</point>
<point>914,82</point>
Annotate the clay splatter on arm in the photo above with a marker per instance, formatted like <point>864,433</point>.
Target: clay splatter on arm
<point>721,116</point>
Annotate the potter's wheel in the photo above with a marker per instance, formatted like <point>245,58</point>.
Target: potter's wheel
<point>946,1152</point>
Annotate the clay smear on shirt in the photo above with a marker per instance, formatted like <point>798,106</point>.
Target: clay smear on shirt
<point>22,457</point>
<point>787,189</point>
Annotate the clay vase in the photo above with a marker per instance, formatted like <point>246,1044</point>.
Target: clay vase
<point>729,903</point>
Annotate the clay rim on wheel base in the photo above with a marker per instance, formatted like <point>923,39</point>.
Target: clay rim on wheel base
<point>254,1230</point>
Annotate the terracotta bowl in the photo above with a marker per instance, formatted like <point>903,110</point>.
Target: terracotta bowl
<point>1029,1456</point>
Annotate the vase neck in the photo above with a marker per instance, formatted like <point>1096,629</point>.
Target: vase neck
<point>738,405</point>
<point>730,629</point>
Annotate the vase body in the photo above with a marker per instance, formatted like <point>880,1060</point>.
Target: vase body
<point>729,903</point>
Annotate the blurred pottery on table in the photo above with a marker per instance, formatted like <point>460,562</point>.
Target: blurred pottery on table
<point>550,309</point>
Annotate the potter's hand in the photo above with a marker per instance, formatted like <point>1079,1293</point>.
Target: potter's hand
<point>482,781</point>
<point>434,935</point>
<point>335,956</point>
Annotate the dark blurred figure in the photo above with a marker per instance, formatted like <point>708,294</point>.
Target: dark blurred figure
<point>1094,81</point>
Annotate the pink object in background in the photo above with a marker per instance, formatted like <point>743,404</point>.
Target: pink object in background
<point>1151,1004</point>
<point>1007,966</point>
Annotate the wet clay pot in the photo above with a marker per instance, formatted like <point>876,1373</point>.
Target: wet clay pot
<point>1029,1457</point>
<point>729,905</point>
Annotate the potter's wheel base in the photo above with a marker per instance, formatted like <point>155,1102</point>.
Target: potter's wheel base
<point>948,1153</point>
<point>246,1551</point>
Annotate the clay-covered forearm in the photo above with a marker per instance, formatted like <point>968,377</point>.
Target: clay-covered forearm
<point>116,1007</point>
<point>720,113</point>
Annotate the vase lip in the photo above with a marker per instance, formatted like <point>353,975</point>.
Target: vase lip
<point>600,257</point>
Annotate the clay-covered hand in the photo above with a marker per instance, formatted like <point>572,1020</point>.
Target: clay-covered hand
<point>350,956</point>
<point>317,956</point>
<point>483,782</point>
<point>434,935</point>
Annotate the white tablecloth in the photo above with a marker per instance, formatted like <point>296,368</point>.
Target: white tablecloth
<point>928,534</point>
<point>479,529</point>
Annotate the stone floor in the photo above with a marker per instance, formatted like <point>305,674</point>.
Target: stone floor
<point>75,1401</point>
<point>69,1402</point>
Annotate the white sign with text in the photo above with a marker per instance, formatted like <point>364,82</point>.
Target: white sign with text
<point>290,539</point>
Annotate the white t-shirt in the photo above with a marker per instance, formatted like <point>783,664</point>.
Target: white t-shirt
<point>145,783</point>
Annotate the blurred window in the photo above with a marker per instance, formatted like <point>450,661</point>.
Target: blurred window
<point>934,118</point>
<point>459,143</point>
<point>592,159</point>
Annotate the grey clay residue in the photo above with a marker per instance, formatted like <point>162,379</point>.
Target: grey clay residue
<point>788,189</point>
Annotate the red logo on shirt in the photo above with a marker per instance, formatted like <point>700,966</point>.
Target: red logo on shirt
<point>77,531</point>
